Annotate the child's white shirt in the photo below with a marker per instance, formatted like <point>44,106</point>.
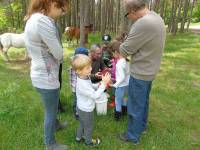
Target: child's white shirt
<point>122,73</point>
<point>87,94</point>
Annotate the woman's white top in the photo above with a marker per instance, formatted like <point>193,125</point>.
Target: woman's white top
<point>45,50</point>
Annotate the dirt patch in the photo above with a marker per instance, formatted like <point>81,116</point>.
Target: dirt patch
<point>195,29</point>
<point>19,62</point>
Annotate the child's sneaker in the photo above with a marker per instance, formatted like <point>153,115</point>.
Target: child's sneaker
<point>76,116</point>
<point>117,115</point>
<point>95,142</point>
<point>124,110</point>
<point>78,140</point>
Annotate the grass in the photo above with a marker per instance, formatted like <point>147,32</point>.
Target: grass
<point>174,106</point>
<point>195,24</point>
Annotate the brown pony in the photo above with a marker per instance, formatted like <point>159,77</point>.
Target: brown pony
<point>74,32</point>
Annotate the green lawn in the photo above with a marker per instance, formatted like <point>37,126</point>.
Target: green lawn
<point>174,119</point>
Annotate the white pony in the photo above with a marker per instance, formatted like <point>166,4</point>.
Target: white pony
<point>8,40</point>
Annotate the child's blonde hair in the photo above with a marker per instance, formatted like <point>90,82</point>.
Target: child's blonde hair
<point>80,61</point>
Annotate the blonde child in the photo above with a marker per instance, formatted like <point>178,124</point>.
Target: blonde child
<point>73,77</point>
<point>87,93</point>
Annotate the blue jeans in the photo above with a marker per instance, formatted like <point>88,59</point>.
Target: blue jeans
<point>119,97</point>
<point>138,107</point>
<point>50,99</point>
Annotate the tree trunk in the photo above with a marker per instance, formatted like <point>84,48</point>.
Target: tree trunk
<point>124,21</point>
<point>87,13</point>
<point>77,14</point>
<point>166,12</point>
<point>162,9</point>
<point>184,19</point>
<point>103,17</point>
<point>11,14</point>
<point>180,5</point>
<point>151,4</point>
<point>110,16</point>
<point>92,15</point>
<point>73,14</point>
<point>191,12</point>
<point>98,16</point>
<point>171,16</point>
<point>156,4</point>
<point>118,17</point>
<point>82,37</point>
<point>25,4</point>
<point>174,19</point>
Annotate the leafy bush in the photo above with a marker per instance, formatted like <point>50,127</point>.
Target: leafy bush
<point>196,14</point>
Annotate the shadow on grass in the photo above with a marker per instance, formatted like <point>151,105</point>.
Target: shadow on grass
<point>181,41</point>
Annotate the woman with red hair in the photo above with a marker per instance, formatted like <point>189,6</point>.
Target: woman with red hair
<point>46,52</point>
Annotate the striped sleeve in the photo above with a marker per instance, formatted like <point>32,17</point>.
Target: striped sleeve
<point>47,32</point>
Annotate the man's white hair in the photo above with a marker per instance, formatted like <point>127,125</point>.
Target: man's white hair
<point>135,4</point>
<point>94,47</point>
